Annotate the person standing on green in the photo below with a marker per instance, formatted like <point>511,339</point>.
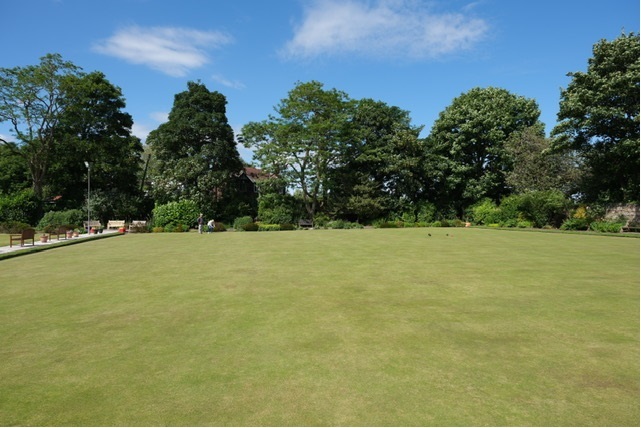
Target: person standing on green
<point>200,220</point>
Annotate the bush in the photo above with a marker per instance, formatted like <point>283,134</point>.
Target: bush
<point>250,227</point>
<point>606,226</point>
<point>266,227</point>
<point>544,207</point>
<point>176,213</point>
<point>240,222</point>
<point>287,226</point>
<point>388,225</point>
<point>72,218</point>
<point>580,223</point>
<point>219,227</point>
<point>336,224</point>
<point>158,229</point>
<point>23,207</point>
<point>486,212</point>
<point>13,227</point>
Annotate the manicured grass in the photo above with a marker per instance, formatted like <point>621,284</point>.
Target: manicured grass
<point>345,327</point>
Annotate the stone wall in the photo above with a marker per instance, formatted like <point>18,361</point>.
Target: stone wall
<point>629,211</point>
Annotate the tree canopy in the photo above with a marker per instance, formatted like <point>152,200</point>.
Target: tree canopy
<point>467,158</point>
<point>195,151</point>
<point>599,118</point>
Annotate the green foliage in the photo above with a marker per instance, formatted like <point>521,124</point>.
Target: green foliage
<point>287,226</point>
<point>176,213</point>
<point>73,218</point>
<point>266,227</point>
<point>342,224</point>
<point>23,206</point>
<point>544,207</point>
<point>309,129</point>
<point>606,226</point>
<point>176,227</point>
<point>599,119</point>
<point>534,167</point>
<point>196,155</point>
<point>250,227</point>
<point>13,226</point>
<point>276,208</point>
<point>467,158</point>
<point>240,222</point>
<point>575,224</point>
<point>485,212</point>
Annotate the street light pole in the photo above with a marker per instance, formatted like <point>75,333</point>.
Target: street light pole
<point>88,194</point>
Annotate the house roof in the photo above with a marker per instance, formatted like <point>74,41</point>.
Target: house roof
<point>255,174</point>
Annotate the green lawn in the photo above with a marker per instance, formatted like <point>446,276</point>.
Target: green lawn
<point>344,327</point>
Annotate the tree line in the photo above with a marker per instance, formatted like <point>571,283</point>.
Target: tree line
<point>340,158</point>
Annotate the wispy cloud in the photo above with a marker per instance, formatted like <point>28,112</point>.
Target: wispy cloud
<point>172,50</point>
<point>382,28</point>
<point>234,84</point>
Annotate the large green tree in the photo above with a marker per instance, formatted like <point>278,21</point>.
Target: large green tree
<point>536,167</point>
<point>304,141</point>
<point>466,158</point>
<point>94,128</point>
<point>196,154</point>
<point>381,167</point>
<point>31,100</point>
<point>599,118</point>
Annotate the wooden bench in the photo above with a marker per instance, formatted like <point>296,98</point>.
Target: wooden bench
<point>93,223</point>
<point>136,225</point>
<point>305,223</point>
<point>115,224</point>
<point>25,235</point>
<point>57,232</point>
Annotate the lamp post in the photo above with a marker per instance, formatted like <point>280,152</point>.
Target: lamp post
<point>88,194</point>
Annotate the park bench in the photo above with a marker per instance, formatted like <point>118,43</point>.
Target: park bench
<point>136,225</point>
<point>25,235</point>
<point>91,224</point>
<point>57,232</point>
<point>305,223</point>
<point>115,224</point>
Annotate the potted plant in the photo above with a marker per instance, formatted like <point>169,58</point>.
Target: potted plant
<point>44,238</point>
<point>76,233</point>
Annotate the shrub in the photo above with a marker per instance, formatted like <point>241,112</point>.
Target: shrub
<point>266,227</point>
<point>23,207</point>
<point>336,224</point>
<point>13,226</point>
<point>579,223</point>
<point>388,225</point>
<point>544,207</point>
<point>287,226</point>
<point>485,212</point>
<point>158,229</point>
<point>72,218</point>
<point>242,221</point>
<point>320,221</point>
<point>219,227</point>
<point>250,227</point>
<point>183,212</point>
<point>606,226</point>
<point>457,223</point>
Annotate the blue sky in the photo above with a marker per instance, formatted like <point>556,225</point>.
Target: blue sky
<point>415,54</point>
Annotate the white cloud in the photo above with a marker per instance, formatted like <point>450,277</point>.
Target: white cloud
<point>140,131</point>
<point>159,116</point>
<point>234,84</point>
<point>171,50</point>
<point>383,28</point>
